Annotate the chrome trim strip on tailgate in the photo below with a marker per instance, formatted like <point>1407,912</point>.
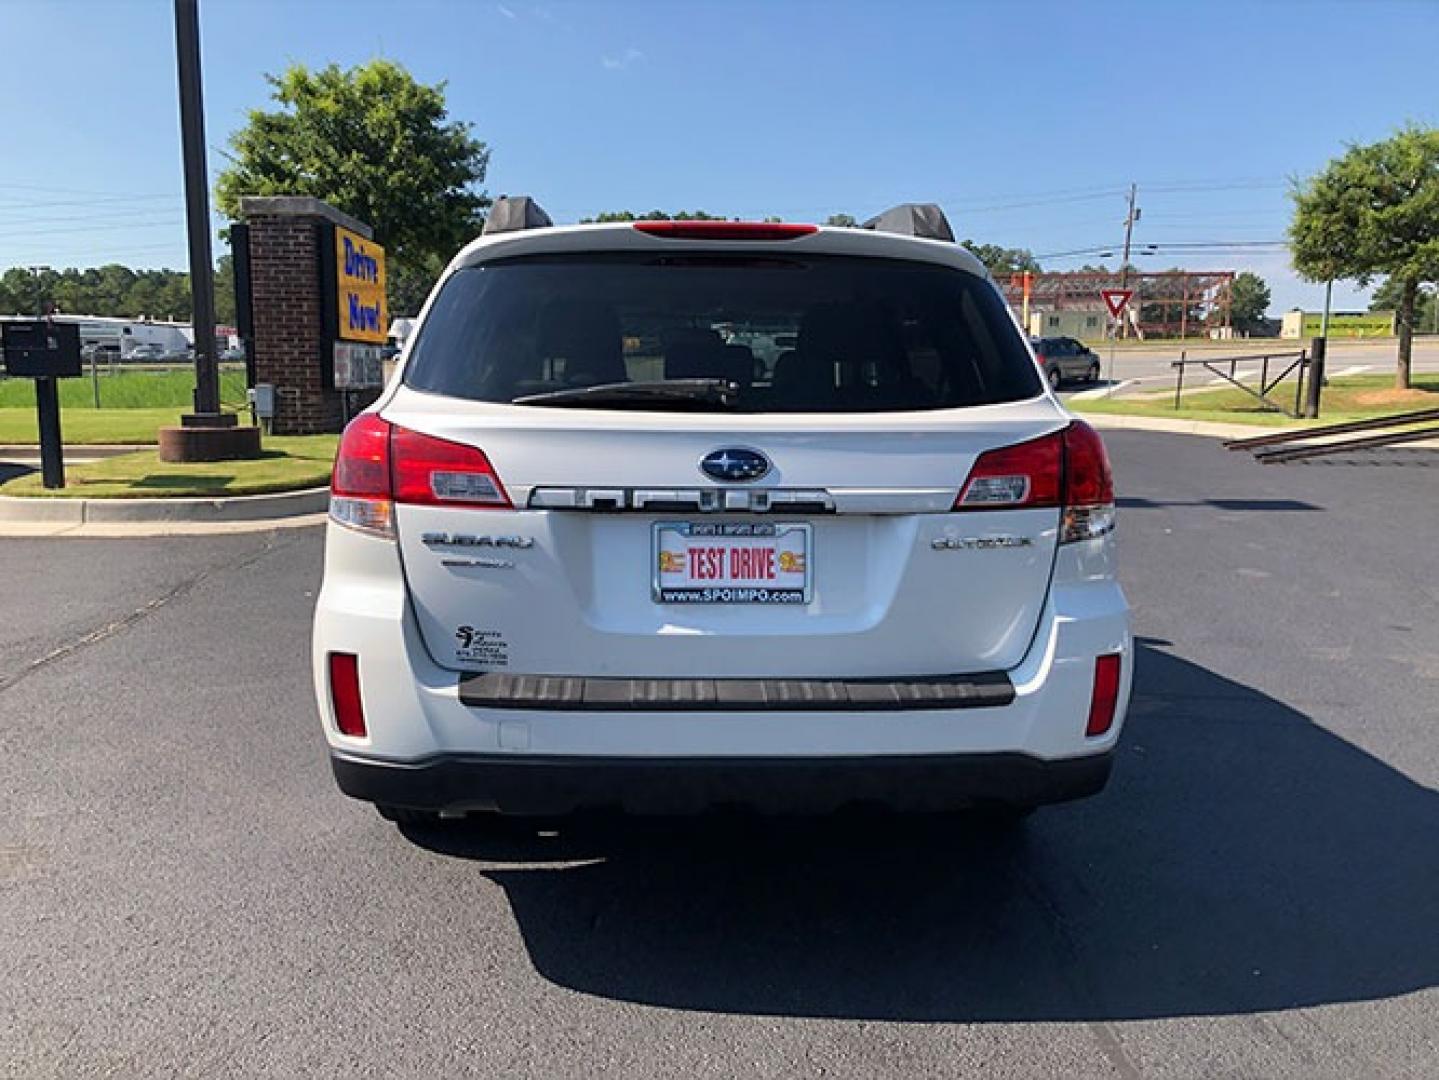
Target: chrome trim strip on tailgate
<point>684,500</point>
<point>497,690</point>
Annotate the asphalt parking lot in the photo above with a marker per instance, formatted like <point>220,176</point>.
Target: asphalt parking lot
<point>183,892</point>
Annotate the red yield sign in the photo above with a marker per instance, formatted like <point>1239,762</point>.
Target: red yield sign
<point>1116,299</point>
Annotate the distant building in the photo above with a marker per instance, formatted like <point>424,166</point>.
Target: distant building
<point>1070,322</point>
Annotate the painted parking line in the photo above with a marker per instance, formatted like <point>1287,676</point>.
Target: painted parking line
<point>1105,391</point>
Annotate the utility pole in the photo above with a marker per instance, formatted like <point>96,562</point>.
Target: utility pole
<point>197,216</point>
<point>1129,219</point>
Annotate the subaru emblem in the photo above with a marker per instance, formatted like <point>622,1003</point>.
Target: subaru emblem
<point>735,465</point>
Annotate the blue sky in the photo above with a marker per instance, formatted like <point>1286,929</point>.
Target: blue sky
<point>1026,121</point>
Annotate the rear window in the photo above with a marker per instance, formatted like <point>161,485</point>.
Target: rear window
<point>809,334</point>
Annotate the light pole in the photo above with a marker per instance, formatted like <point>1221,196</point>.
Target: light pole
<point>197,217</point>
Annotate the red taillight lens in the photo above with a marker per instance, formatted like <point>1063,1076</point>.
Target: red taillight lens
<point>1105,698</point>
<point>436,472</point>
<point>362,465</point>
<point>725,230</point>
<point>1068,469</point>
<point>345,694</point>
<point>1087,479</point>
<point>1026,475</point>
<point>360,482</point>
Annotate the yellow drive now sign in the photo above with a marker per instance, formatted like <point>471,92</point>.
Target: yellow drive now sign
<point>360,288</point>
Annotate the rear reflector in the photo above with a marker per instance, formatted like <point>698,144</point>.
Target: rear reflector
<point>345,694</point>
<point>724,230</point>
<point>1106,695</point>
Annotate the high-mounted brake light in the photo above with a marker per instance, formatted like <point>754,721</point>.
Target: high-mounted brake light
<point>725,230</point>
<point>345,694</point>
<point>1068,469</point>
<point>380,464</point>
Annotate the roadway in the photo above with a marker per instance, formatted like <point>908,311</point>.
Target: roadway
<point>185,893</point>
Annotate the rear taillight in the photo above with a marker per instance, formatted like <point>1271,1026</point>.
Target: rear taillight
<point>1088,486</point>
<point>345,694</point>
<point>360,483</point>
<point>1105,698</point>
<point>1026,475</point>
<point>1068,469</point>
<point>380,464</point>
<point>725,230</point>
<point>436,472</point>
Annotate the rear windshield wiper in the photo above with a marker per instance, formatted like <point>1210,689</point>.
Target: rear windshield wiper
<point>720,392</point>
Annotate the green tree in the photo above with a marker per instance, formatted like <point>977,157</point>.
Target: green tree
<point>1373,211</point>
<point>371,141</point>
<point>652,215</point>
<point>225,290</point>
<point>1248,301</point>
<point>1002,260</point>
<point>1390,294</point>
<point>842,221</point>
<point>115,291</point>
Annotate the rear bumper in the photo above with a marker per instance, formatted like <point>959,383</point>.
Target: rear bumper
<point>548,785</point>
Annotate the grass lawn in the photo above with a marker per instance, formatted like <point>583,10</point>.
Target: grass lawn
<point>170,388</point>
<point>1353,398</point>
<point>289,463</point>
<point>88,426</point>
<point>134,403</point>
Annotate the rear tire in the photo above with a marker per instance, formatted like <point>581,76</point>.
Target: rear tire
<point>1092,375</point>
<point>1054,379</point>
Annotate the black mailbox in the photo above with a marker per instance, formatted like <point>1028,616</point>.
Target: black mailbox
<point>40,349</point>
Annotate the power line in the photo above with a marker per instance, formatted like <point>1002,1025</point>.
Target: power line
<point>24,204</point>
<point>91,228</point>
<point>112,215</point>
<point>49,189</point>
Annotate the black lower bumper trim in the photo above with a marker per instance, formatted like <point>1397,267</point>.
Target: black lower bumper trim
<point>498,690</point>
<point>558,785</point>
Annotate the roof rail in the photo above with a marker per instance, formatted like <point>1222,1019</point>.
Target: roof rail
<point>925,220</point>
<point>512,213</point>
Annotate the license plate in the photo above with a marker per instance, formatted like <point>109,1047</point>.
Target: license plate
<point>732,562</point>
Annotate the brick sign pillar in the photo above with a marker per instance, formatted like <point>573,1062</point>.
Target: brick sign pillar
<point>289,343</point>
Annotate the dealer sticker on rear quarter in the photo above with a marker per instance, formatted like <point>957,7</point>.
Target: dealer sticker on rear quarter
<point>732,562</point>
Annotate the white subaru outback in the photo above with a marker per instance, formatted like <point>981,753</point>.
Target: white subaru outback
<point>675,515</point>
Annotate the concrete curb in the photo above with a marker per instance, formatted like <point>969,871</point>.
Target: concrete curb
<point>251,508</point>
<point>1203,428</point>
<point>1208,428</point>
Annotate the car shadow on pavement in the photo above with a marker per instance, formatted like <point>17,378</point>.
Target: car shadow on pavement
<point>1243,859</point>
